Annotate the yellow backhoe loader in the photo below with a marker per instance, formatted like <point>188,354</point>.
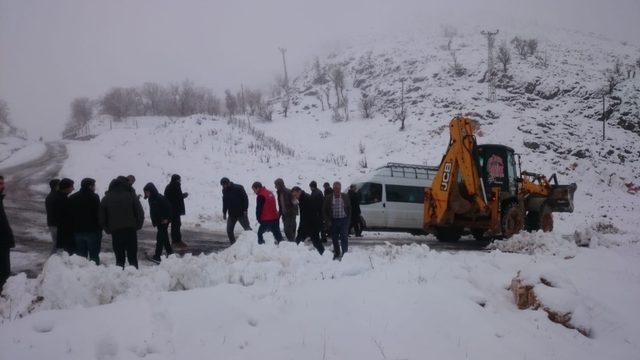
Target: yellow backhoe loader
<point>478,190</point>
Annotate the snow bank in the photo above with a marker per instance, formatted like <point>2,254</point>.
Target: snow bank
<point>537,243</point>
<point>24,154</point>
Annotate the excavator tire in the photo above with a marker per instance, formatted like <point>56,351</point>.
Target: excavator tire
<point>540,220</point>
<point>512,220</point>
<point>448,234</point>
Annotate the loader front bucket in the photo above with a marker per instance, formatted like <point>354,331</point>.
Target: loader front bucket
<point>561,198</point>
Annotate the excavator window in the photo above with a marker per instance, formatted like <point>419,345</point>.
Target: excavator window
<point>497,167</point>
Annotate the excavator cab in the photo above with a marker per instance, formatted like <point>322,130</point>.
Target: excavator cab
<point>497,168</point>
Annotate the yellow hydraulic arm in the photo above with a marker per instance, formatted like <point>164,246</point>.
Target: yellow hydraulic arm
<point>442,199</point>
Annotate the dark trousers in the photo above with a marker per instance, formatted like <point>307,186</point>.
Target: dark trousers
<point>5,266</point>
<point>289,225</point>
<point>162,241</point>
<point>231,225</point>
<point>125,244</point>
<point>65,240</point>
<point>88,245</point>
<point>356,225</point>
<point>310,231</point>
<point>272,226</point>
<point>339,235</point>
<point>176,235</point>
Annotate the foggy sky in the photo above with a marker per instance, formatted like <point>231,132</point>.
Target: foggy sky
<point>52,51</point>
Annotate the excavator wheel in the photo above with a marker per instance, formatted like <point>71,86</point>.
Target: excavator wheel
<point>448,234</point>
<point>512,220</point>
<point>540,220</point>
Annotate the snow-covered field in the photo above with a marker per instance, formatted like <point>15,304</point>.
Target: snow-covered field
<point>388,302</point>
<point>15,151</point>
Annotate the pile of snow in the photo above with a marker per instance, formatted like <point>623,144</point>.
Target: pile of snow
<point>536,243</point>
<point>288,302</point>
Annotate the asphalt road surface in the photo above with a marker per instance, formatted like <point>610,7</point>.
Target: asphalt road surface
<point>27,186</point>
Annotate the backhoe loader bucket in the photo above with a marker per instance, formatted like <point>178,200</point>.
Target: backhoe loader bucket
<point>561,198</point>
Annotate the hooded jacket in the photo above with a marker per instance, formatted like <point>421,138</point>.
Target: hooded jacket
<point>173,193</point>
<point>85,209</point>
<point>266,206</point>
<point>159,206</point>
<point>120,209</point>
<point>234,200</point>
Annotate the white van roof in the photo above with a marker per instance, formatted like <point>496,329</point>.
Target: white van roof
<point>402,174</point>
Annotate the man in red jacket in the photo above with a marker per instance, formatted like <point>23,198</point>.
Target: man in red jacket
<point>266,213</point>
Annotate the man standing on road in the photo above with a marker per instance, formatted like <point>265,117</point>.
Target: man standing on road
<point>173,193</point>
<point>309,219</point>
<point>6,240</point>
<point>121,215</point>
<point>236,203</point>
<point>87,233</point>
<point>327,192</point>
<point>266,213</point>
<point>48,205</point>
<point>337,213</point>
<point>160,213</point>
<point>356,220</point>
<point>62,217</point>
<point>288,210</point>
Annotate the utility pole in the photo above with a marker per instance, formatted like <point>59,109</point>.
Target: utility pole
<point>284,64</point>
<point>491,40</point>
<point>604,119</point>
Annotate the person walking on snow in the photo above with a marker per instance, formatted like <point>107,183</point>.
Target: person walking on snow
<point>121,215</point>
<point>48,205</point>
<point>287,208</point>
<point>6,240</point>
<point>356,219</point>
<point>266,213</point>
<point>87,233</point>
<point>62,218</point>
<point>327,192</point>
<point>337,213</point>
<point>173,193</point>
<point>309,219</point>
<point>160,213</point>
<point>235,202</point>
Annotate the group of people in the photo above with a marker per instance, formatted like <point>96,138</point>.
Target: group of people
<point>76,221</point>
<point>331,212</point>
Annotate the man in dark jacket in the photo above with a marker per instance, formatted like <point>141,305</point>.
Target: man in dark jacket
<point>6,240</point>
<point>87,233</point>
<point>121,215</point>
<point>236,203</point>
<point>337,213</point>
<point>327,191</point>
<point>309,218</point>
<point>62,218</point>
<point>356,219</point>
<point>160,213</point>
<point>173,193</point>
<point>266,212</point>
<point>287,208</point>
<point>48,205</point>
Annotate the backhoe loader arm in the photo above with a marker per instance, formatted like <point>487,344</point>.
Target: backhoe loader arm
<point>442,199</point>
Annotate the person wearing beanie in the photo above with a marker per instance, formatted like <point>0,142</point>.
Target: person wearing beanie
<point>235,203</point>
<point>173,193</point>
<point>87,233</point>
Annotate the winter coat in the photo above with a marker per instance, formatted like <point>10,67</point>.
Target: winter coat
<point>266,206</point>
<point>316,202</point>
<point>159,206</point>
<point>48,205</point>
<point>7,240</point>
<point>286,206</point>
<point>328,207</point>
<point>120,209</point>
<point>63,220</point>
<point>354,198</point>
<point>84,209</point>
<point>234,200</point>
<point>173,193</point>
<point>310,211</point>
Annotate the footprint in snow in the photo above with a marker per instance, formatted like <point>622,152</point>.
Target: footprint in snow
<point>43,325</point>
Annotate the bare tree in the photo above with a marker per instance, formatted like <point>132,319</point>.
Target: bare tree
<point>617,67</point>
<point>521,46</point>
<point>337,78</point>
<point>611,81</point>
<point>327,92</point>
<point>456,68</point>
<point>81,111</point>
<point>242,101</point>
<point>5,121</point>
<point>254,100</point>
<point>504,56</point>
<point>321,99</point>
<point>449,32</point>
<point>122,102</point>
<point>532,46</point>
<point>230,102</point>
<point>366,105</point>
<point>153,97</point>
<point>265,111</point>
<point>402,114</point>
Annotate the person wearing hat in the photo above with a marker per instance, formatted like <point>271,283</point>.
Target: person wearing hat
<point>87,233</point>
<point>235,204</point>
<point>173,193</point>
<point>62,217</point>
